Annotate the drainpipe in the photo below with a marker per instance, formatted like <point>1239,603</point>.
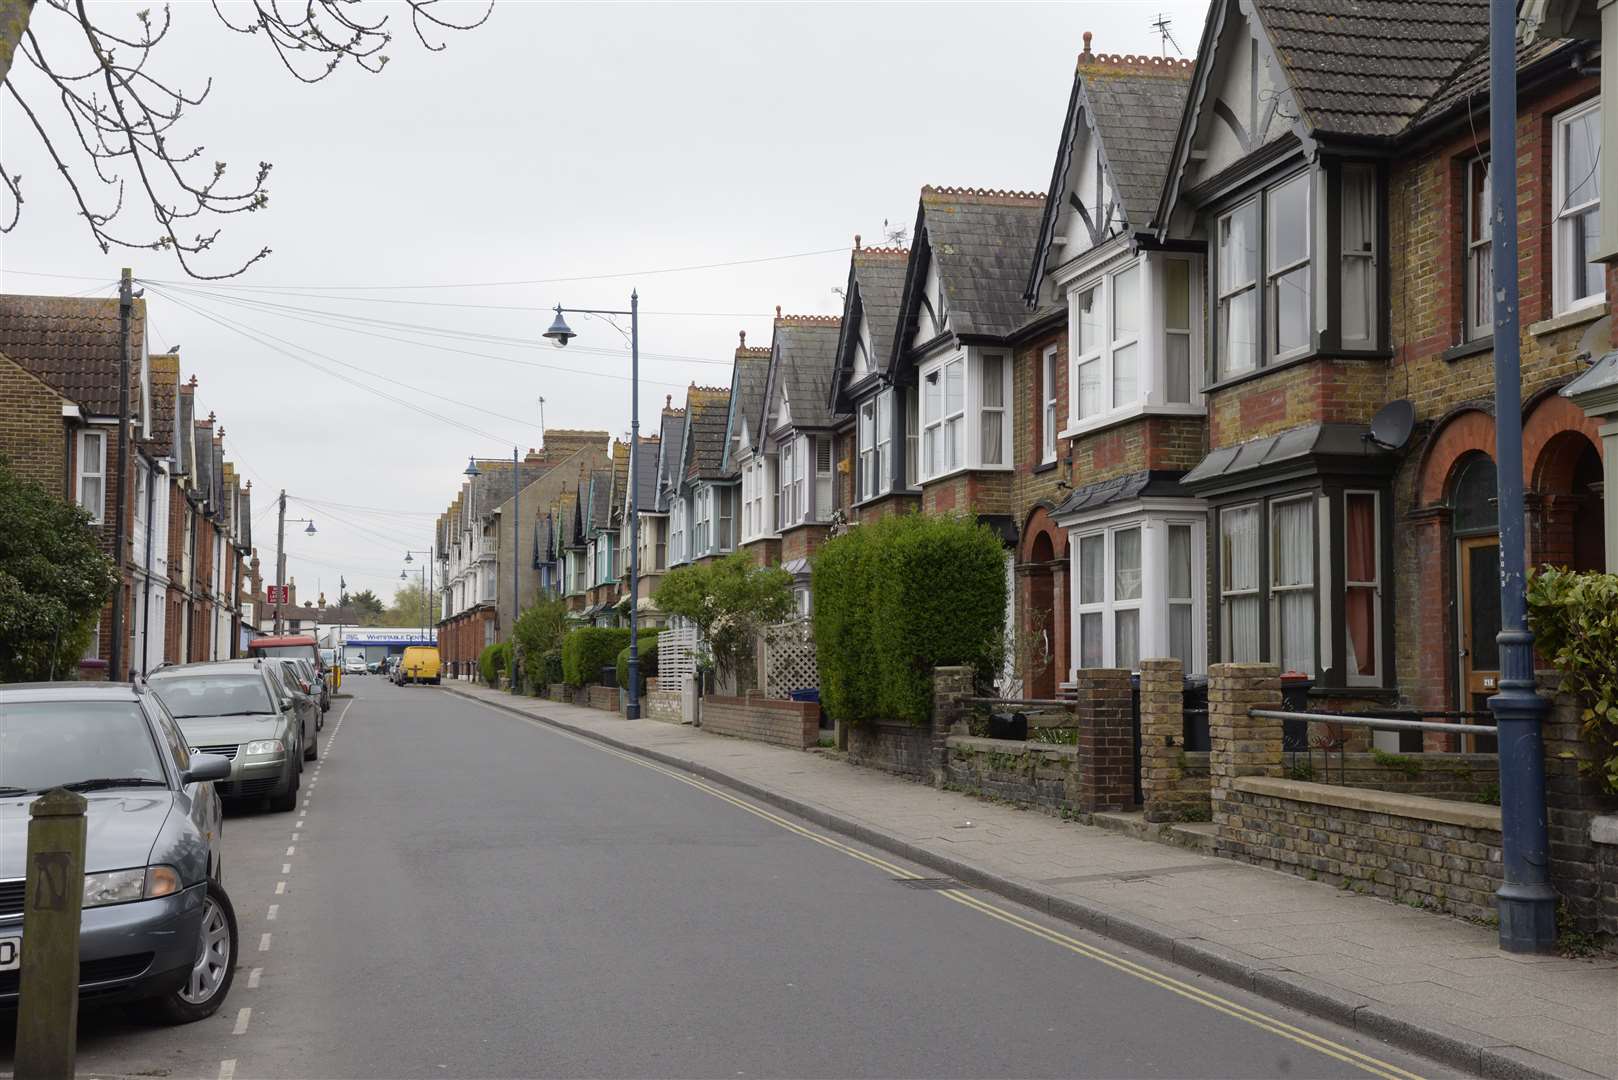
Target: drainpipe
<point>146,592</point>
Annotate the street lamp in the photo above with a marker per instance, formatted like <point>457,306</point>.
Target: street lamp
<point>281,520</point>
<point>472,467</point>
<point>559,335</point>
<point>404,575</point>
<point>409,558</point>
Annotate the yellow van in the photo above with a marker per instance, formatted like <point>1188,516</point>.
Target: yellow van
<point>420,664</point>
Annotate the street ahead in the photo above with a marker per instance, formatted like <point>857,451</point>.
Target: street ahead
<point>471,894</point>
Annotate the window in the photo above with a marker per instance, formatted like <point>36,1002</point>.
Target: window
<point>1182,597</point>
<point>1359,316</point>
<point>1087,348</point>
<point>92,479</point>
<point>875,434</point>
<point>1125,350</point>
<point>727,518</point>
<point>868,469</point>
<point>660,560</point>
<point>703,524</point>
<point>1576,191</point>
<point>884,442</point>
<point>1177,344</point>
<point>1286,230</point>
<point>1292,583</point>
<point>823,478</point>
<point>1239,584</point>
<point>943,417</point>
<point>1110,598</point>
<point>1362,585</point>
<point>1047,382</point>
<point>992,416</point>
<point>1238,290</point>
<point>794,478</point>
<point>1479,254</point>
<point>912,432</point>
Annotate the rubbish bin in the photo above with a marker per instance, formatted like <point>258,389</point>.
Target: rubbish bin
<point>609,674</point>
<point>1194,717</point>
<point>812,694</point>
<point>1008,725</point>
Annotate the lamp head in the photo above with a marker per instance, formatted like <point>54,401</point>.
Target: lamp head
<point>408,558</point>
<point>401,575</point>
<point>560,333</point>
<point>310,529</point>
<point>472,467</point>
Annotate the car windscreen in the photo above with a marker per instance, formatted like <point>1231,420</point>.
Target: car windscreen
<point>45,744</point>
<point>328,657</point>
<point>213,695</point>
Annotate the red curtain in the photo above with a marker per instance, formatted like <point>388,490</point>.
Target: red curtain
<point>1360,600</point>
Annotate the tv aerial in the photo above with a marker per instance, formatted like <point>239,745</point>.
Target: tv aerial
<point>1161,25</point>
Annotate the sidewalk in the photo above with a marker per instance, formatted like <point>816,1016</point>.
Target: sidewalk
<point>1424,981</point>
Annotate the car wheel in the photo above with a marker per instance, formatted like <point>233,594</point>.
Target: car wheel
<point>312,751</point>
<point>209,982</point>
<point>289,801</point>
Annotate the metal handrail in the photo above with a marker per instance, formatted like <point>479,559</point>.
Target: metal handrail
<point>1045,702</point>
<point>1375,722</point>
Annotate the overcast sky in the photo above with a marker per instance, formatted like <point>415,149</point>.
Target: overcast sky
<point>557,141</point>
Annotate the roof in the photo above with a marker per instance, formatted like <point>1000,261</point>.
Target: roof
<point>72,343</point>
<point>165,374</point>
<point>749,382</point>
<point>670,444</point>
<point>706,409</point>
<point>1600,379</point>
<point>805,355</point>
<point>982,242</point>
<point>600,500</point>
<point>1136,102</point>
<point>1146,484</point>
<point>1301,448</point>
<point>1470,85</point>
<point>646,474</point>
<point>876,283</point>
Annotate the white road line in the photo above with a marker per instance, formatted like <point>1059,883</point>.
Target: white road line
<point>253,977</point>
<point>294,837</point>
<point>227,1069</point>
<point>275,909</point>
<point>280,887</point>
<point>264,943</point>
<point>291,850</point>
<point>286,868</point>
<point>242,1017</point>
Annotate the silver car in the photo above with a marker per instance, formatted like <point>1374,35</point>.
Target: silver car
<point>297,678</point>
<point>157,925</point>
<point>243,711</point>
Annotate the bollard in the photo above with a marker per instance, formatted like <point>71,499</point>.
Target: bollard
<point>48,1004</point>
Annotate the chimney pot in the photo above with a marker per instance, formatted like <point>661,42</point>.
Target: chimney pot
<point>856,241</point>
<point>777,311</point>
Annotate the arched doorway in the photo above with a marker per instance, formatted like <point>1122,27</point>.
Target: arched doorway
<point>1567,488</point>
<point>1039,648</point>
<point>1475,525</point>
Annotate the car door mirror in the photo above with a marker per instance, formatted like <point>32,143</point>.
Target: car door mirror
<point>206,767</point>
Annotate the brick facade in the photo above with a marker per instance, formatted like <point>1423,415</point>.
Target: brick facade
<point>802,541</point>
<point>783,723</point>
<point>971,492</point>
<point>32,437</point>
<point>1106,739</point>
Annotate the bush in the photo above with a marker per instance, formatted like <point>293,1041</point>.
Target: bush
<point>587,650</point>
<point>729,600</point>
<point>494,661</point>
<point>1574,617</point>
<point>899,597</point>
<point>549,670</point>
<point>648,660</point>
<point>538,630</point>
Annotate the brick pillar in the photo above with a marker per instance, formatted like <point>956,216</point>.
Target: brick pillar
<point>1162,744</point>
<point>1106,739</point>
<point>951,686</point>
<point>1573,799</point>
<point>1240,744</point>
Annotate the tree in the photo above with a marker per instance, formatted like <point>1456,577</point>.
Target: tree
<point>54,580</point>
<point>123,109</point>
<point>367,607</point>
<point>411,606</point>
<point>730,601</point>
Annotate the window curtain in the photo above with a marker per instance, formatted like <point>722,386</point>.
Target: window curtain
<point>1359,600</point>
<point>1181,602</point>
<point>1294,562</point>
<point>993,413</point>
<point>1241,540</point>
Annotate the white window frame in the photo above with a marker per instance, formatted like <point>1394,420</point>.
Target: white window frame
<point>825,489</point>
<point>1117,340</point>
<point>912,415</point>
<point>961,429</point>
<point>985,412</point>
<point>1047,375</point>
<point>725,518</point>
<point>1154,601</point>
<point>1083,357</point>
<point>1226,593</point>
<point>1374,583</point>
<point>92,465</point>
<point>1313,587</point>
<point>884,441</point>
<point>865,429</point>
<point>1568,273</point>
<point>1478,253</point>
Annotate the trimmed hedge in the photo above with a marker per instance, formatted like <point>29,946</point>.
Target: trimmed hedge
<point>587,650</point>
<point>494,661</point>
<point>549,671</point>
<point>899,597</point>
<point>1574,617</point>
<point>648,660</point>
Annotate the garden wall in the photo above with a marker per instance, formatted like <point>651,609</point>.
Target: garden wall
<point>902,749</point>
<point>662,705</point>
<point>1044,774</point>
<point>602,697</point>
<point>784,723</point>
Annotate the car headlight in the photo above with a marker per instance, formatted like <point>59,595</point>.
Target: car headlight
<point>122,886</point>
<point>265,748</point>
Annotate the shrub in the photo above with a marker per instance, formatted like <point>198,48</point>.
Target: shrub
<point>587,650</point>
<point>494,661</point>
<point>648,660</point>
<point>549,670</point>
<point>1574,617</point>
<point>538,630</point>
<point>730,600</point>
<point>899,597</point>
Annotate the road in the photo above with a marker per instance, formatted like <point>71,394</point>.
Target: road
<point>467,893</point>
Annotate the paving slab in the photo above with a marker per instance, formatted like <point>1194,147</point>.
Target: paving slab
<point>1421,979</point>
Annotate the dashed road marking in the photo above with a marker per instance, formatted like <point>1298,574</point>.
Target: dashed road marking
<point>253,977</point>
<point>295,836</point>
<point>286,868</point>
<point>275,909</point>
<point>264,942</point>
<point>291,850</point>
<point>242,1017</point>
<point>227,1069</point>
<point>280,887</point>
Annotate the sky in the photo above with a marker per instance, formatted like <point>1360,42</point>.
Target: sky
<point>425,220</point>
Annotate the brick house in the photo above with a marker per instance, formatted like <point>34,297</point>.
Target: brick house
<point>797,430</point>
<point>652,552</point>
<point>747,452</point>
<point>1105,384</point>
<point>1347,266</point>
<point>656,485</point>
<point>701,495</point>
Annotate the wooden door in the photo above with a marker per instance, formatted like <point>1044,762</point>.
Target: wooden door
<point>1478,577</point>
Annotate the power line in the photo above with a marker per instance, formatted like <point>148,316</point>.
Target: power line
<point>370,509</point>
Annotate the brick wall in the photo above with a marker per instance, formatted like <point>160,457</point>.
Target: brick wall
<point>32,436</point>
<point>662,705</point>
<point>1035,773</point>
<point>1174,783</point>
<point>968,493</point>
<point>1032,482</point>
<point>604,698</point>
<point>1584,873</point>
<point>1324,391</point>
<point>1148,442</point>
<point>1106,739</point>
<point>885,507</point>
<point>802,541</point>
<point>902,749</point>
<point>783,723</point>
<point>763,552</point>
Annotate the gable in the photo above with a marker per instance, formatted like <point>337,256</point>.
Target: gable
<point>1088,213</point>
<point>932,308</point>
<point>1247,103</point>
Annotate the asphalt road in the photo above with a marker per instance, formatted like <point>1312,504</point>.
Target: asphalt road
<point>467,893</point>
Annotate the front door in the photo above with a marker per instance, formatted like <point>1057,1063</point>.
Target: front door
<point>1478,572</point>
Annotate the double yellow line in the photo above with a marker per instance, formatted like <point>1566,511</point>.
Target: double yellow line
<point>1307,1039</point>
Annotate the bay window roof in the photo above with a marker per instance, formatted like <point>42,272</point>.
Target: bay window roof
<point>1145,484</point>
<point>1304,450</point>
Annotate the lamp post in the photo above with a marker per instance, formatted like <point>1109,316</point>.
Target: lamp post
<point>560,334</point>
<point>471,472</point>
<point>281,520</point>
<point>421,574</point>
<point>1525,899</point>
<point>429,554</point>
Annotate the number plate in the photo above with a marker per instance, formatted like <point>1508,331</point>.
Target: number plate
<point>10,953</point>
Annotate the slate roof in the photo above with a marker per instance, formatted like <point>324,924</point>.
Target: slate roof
<point>672,441</point>
<point>805,358</point>
<point>983,242</point>
<point>1471,83</point>
<point>749,383</point>
<point>600,500</point>
<point>1148,483</point>
<point>1233,466</point>
<point>706,408</point>
<point>1136,103</point>
<point>646,466</point>
<point>876,279</point>
<point>72,343</point>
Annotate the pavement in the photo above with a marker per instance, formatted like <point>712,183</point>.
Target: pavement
<point>1419,980</point>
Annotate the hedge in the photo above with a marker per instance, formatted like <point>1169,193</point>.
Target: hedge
<point>587,650</point>
<point>1574,617</point>
<point>895,599</point>
<point>549,671</point>
<point>494,661</point>
<point>648,659</point>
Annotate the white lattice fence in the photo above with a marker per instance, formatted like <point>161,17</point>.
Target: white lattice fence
<point>676,655</point>
<point>789,659</point>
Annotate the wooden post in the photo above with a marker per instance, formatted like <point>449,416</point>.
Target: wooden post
<point>48,1007</point>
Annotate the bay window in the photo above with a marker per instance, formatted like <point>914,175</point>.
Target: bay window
<point>1576,198</point>
<point>1125,348</point>
<point>1359,257</point>
<point>875,447</point>
<point>1087,350</point>
<point>1292,583</point>
<point>965,422</point>
<point>1177,340</point>
<point>702,523</point>
<point>1047,428</point>
<point>1266,272</point>
<point>726,535</point>
<point>1238,290</point>
<point>992,414</point>
<point>1286,230</point>
<point>92,474</point>
<point>912,436</point>
<point>1239,600</point>
<point>824,484</point>
<point>1137,590</point>
<point>1479,255</point>
<point>791,486</point>
<point>1132,341</point>
<point>1362,586</point>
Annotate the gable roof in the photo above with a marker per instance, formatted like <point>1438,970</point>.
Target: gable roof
<point>645,468</point>
<point>803,356</point>
<point>982,241</point>
<point>600,501</point>
<point>165,368</point>
<point>876,282</point>
<point>706,408</point>
<point>671,444</point>
<point>72,344</point>
<point>749,379</point>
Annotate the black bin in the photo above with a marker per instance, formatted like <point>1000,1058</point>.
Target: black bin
<point>1195,714</point>
<point>1008,725</point>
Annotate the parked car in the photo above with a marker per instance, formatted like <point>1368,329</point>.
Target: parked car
<point>294,675</point>
<point>297,646</point>
<point>307,676</point>
<point>244,712</point>
<point>157,925</point>
<point>390,668</point>
<point>355,665</point>
<point>374,667</point>
<point>419,665</point>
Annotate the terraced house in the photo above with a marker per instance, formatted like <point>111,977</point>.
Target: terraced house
<point>701,496</point>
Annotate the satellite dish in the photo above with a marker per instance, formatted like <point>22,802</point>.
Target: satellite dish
<point>1392,424</point>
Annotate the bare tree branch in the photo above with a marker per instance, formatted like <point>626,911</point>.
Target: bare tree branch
<point>123,113</point>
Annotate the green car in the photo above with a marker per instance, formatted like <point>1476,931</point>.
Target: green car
<point>240,710</point>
